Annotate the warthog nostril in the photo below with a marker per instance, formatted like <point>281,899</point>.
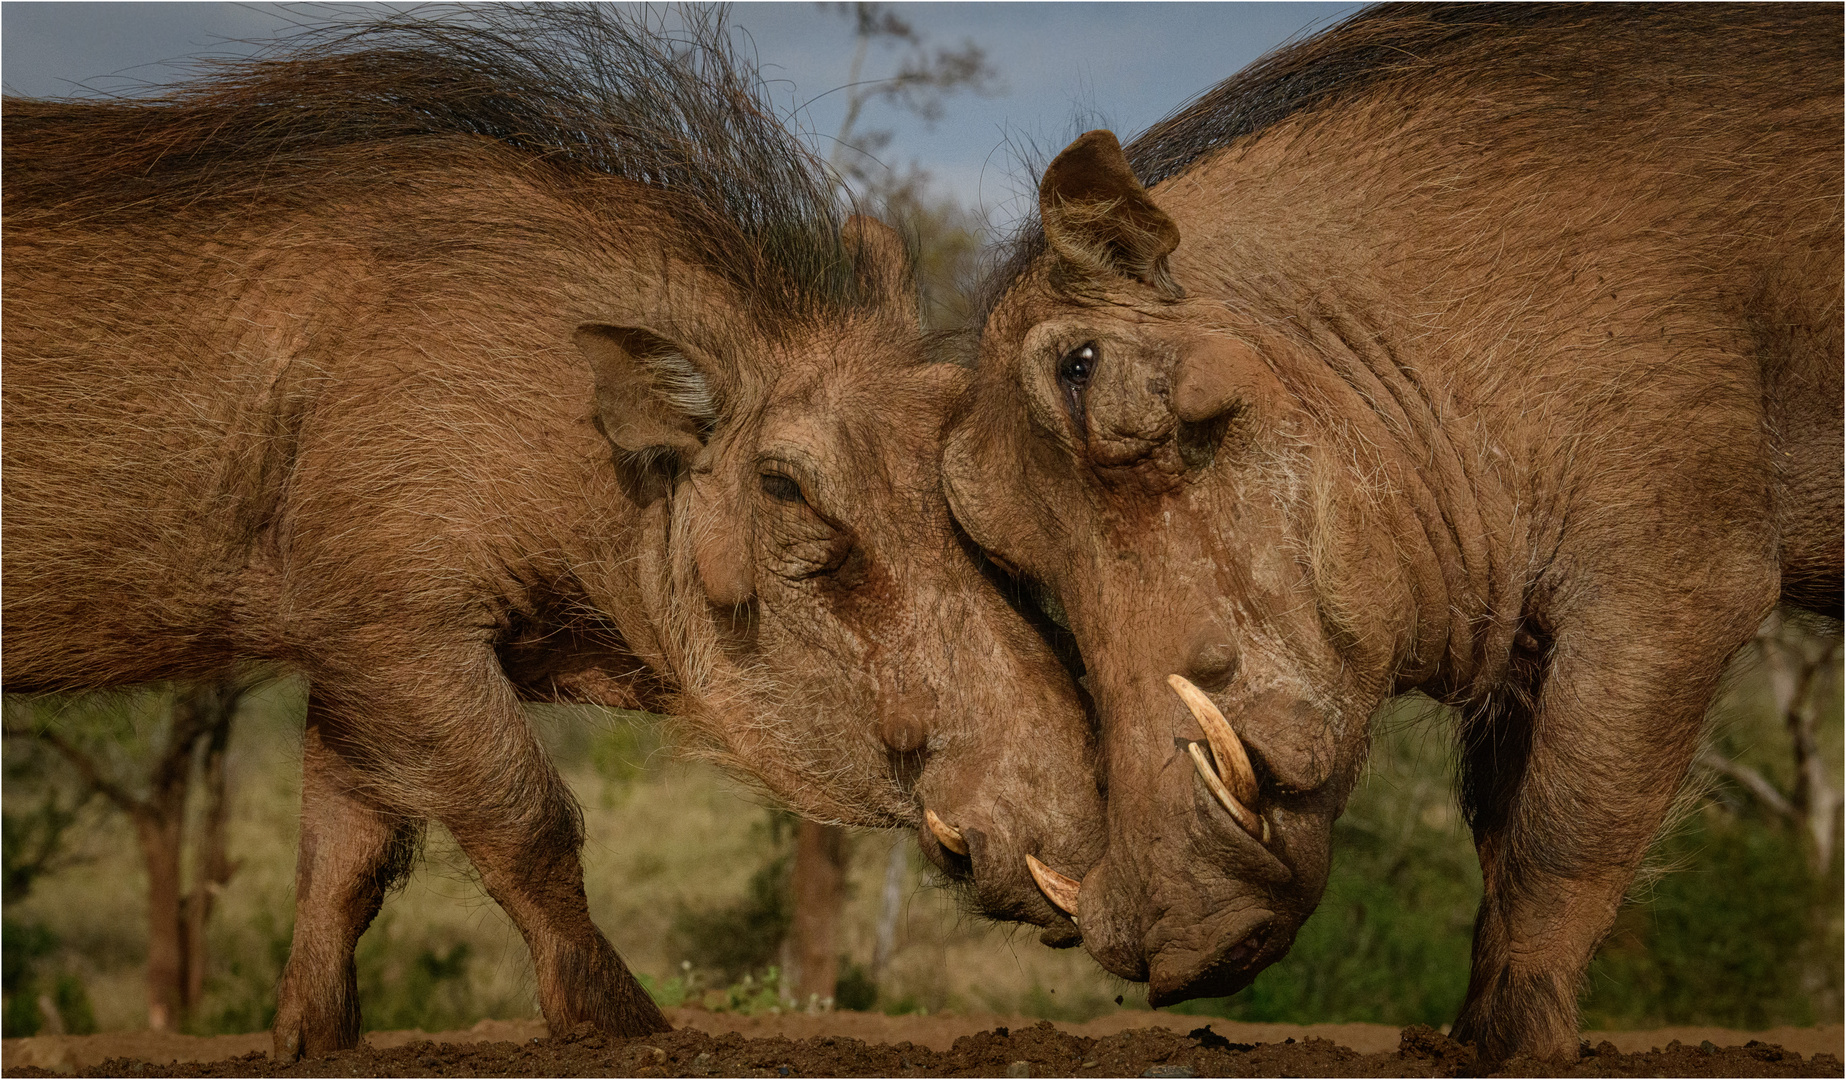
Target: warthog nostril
<point>1233,781</point>
<point>947,835</point>
<point>1059,889</point>
<point>1244,952</point>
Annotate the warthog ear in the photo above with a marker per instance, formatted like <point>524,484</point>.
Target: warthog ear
<point>655,403</point>
<point>881,263</point>
<point>1100,220</point>
<point>652,401</point>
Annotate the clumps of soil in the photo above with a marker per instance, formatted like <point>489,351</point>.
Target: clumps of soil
<point>1039,1050</point>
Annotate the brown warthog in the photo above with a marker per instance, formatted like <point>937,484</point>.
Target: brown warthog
<point>1491,352</point>
<point>528,358</point>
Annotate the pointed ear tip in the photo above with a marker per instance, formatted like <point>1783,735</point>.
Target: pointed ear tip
<point>1098,143</point>
<point>1092,137</point>
<point>1094,158</point>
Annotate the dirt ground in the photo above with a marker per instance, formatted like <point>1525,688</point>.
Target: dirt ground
<point>871,1044</point>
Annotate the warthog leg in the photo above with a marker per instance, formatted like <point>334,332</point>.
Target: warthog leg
<point>352,851</point>
<point>465,758</point>
<point>1568,775</point>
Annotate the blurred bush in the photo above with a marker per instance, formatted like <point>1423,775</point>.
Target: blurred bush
<point>687,873</point>
<point>407,980</point>
<point>38,992</point>
<point>1738,936</point>
<point>856,990</point>
<point>727,943</point>
<point>1390,941</point>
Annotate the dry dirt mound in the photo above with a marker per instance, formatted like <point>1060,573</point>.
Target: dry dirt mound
<point>1041,1049</point>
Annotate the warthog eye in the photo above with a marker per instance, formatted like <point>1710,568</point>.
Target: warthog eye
<point>1074,373</point>
<point>1078,365</point>
<point>781,488</point>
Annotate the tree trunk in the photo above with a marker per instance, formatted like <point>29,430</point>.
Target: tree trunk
<point>159,835</point>
<point>820,894</point>
<point>212,867</point>
<point>198,731</point>
<point>1817,800</point>
<point>890,904</point>
<point>1794,660</point>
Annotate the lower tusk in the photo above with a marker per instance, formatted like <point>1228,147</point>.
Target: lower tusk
<point>1252,822</point>
<point>1060,890</point>
<point>947,835</point>
<point>1226,747</point>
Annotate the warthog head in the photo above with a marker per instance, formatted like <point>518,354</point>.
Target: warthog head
<point>827,624</point>
<point>1133,455</point>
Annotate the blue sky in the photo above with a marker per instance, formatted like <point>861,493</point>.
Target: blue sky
<point>1063,67</point>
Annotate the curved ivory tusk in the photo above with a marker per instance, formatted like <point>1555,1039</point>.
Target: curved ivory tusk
<point>1060,890</point>
<point>1226,748</point>
<point>1252,822</point>
<point>947,835</point>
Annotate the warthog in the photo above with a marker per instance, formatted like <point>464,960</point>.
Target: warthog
<point>1489,352</point>
<point>455,365</point>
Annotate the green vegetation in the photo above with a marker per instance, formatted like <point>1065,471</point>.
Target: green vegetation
<point>739,940</point>
<point>1729,925</point>
<point>685,872</point>
<point>36,993</point>
<point>1739,937</point>
<point>37,990</point>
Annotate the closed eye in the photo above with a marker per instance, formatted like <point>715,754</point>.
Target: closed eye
<point>781,488</point>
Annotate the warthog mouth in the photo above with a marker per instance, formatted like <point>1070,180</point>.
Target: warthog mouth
<point>1247,942</point>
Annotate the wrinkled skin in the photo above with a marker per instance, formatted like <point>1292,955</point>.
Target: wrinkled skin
<point>1289,426</point>
<point>440,486</point>
<point>1162,568</point>
<point>822,510</point>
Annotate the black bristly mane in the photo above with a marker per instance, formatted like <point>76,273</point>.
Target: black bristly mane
<point>1418,49</point>
<point>581,89</point>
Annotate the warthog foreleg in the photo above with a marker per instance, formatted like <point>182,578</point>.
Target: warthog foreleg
<point>381,757</point>
<point>1568,776</point>
<point>352,851</point>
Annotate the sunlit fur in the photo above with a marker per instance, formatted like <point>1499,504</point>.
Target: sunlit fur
<point>1535,315</point>
<point>292,377</point>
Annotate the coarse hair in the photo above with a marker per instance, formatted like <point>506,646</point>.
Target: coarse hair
<point>1432,48</point>
<point>584,91</point>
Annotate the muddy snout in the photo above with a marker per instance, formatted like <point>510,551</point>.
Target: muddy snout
<point>1209,874</point>
<point>1001,872</point>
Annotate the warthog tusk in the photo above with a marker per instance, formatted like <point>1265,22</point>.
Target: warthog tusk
<point>1060,890</point>
<point>947,835</point>
<point>1252,823</point>
<point>1226,748</point>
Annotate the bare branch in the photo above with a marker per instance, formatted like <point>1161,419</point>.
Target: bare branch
<point>89,771</point>
<point>1750,780</point>
<point>922,79</point>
